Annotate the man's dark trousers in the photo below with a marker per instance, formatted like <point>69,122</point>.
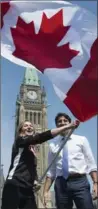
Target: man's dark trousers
<point>75,189</point>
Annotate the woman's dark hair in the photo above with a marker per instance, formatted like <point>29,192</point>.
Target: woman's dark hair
<point>60,115</point>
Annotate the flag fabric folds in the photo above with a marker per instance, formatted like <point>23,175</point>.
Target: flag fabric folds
<point>60,40</point>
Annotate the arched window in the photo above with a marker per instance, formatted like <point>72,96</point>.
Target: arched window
<point>34,117</point>
<point>31,117</point>
<point>38,118</point>
<point>26,116</point>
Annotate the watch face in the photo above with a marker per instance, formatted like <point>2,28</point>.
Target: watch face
<point>32,95</point>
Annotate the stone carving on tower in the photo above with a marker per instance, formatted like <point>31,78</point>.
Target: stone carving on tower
<point>31,105</point>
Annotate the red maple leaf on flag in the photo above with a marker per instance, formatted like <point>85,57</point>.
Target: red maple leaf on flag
<point>4,9</point>
<point>41,49</point>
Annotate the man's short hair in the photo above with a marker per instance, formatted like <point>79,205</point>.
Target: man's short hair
<point>60,115</point>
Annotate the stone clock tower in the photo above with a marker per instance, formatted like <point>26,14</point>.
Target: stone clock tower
<point>31,105</point>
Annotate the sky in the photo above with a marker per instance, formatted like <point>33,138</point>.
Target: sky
<point>11,79</point>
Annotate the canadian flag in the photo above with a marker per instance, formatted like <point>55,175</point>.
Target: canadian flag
<point>60,40</point>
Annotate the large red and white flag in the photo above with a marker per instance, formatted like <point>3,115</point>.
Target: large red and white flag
<point>60,40</point>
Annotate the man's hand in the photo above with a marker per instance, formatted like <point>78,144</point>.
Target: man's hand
<point>45,199</point>
<point>95,191</point>
<point>75,123</point>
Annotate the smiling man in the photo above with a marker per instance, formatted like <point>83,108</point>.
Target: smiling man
<point>70,170</point>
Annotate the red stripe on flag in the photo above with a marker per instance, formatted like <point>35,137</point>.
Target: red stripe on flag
<point>82,98</point>
<point>4,8</point>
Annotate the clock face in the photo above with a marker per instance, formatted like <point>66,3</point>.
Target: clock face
<point>32,95</point>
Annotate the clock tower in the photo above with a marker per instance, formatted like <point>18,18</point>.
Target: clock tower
<point>31,105</point>
<point>31,101</point>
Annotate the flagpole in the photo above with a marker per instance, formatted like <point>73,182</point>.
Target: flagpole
<point>55,157</point>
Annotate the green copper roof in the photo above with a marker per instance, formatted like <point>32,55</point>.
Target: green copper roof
<point>31,77</point>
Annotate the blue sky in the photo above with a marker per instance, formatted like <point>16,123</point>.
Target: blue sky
<point>11,78</point>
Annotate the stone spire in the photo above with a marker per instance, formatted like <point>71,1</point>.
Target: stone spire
<point>31,77</point>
